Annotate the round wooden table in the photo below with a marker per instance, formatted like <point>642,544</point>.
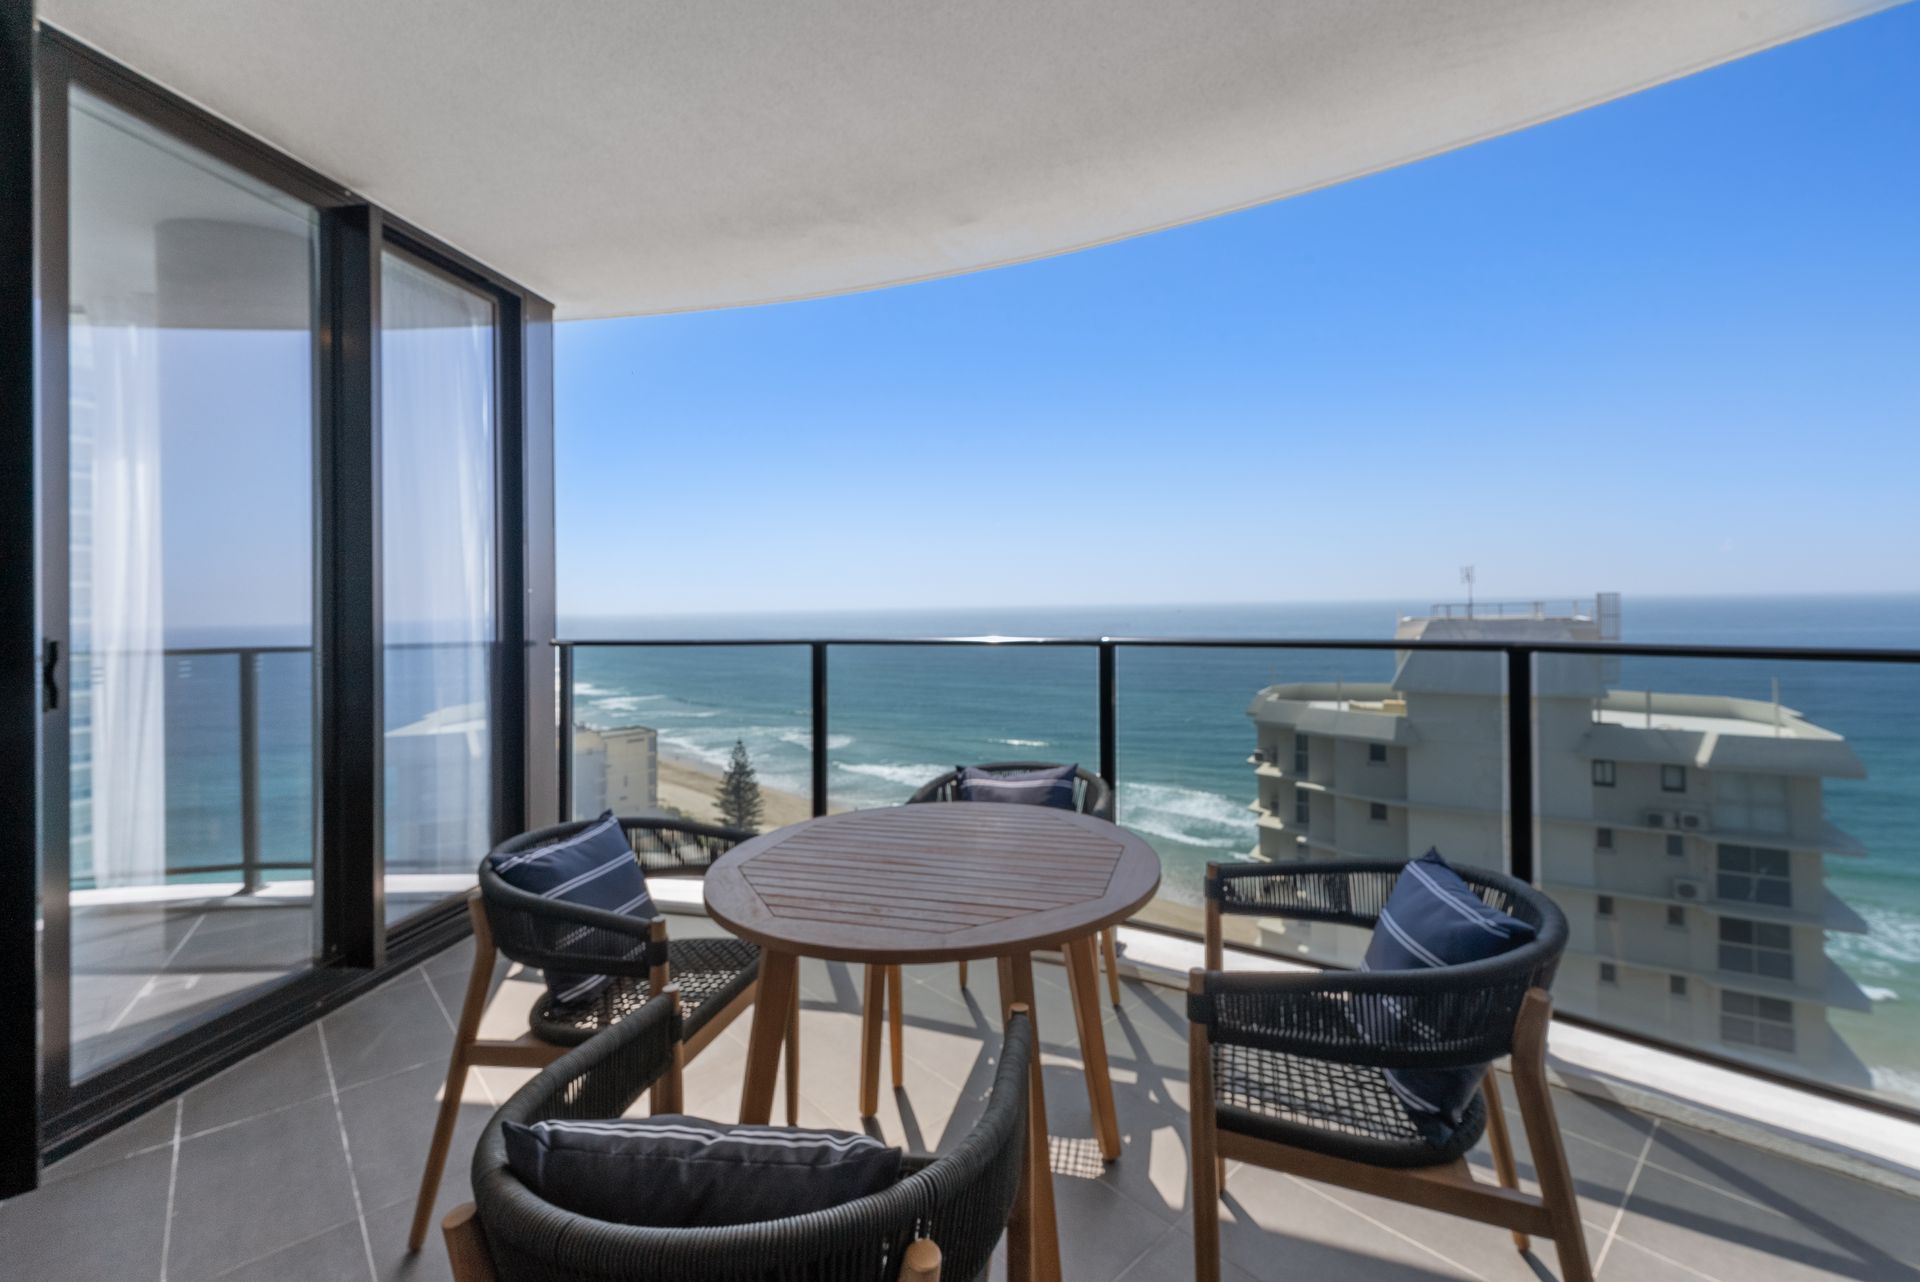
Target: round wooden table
<point>935,882</point>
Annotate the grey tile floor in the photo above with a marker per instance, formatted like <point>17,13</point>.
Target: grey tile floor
<point>302,1162</point>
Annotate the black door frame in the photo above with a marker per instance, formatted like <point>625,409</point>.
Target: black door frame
<point>20,681</point>
<point>356,947</point>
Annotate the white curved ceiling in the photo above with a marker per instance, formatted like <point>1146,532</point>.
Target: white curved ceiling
<point>631,156</point>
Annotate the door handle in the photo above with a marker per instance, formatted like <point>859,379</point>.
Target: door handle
<point>50,674</point>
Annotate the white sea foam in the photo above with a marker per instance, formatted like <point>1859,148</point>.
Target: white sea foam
<point>802,739</point>
<point>624,702</point>
<point>589,689</point>
<point>905,776</point>
<point>1023,743</point>
<point>1876,994</point>
<point>1889,950</point>
<point>1186,815</point>
<point>1896,1081</point>
<point>705,754</point>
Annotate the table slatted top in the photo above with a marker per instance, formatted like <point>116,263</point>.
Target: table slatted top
<point>931,882</point>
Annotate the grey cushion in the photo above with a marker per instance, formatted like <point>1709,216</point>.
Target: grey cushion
<point>673,1171</point>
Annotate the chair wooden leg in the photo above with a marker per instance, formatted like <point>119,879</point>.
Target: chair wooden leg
<point>1203,1153</point>
<point>896,1030</point>
<point>1501,1142</point>
<point>873,1001</point>
<point>1543,1137</point>
<point>479,980</point>
<point>793,1061</point>
<point>1110,949</point>
<point>963,975</point>
<point>467,1246</point>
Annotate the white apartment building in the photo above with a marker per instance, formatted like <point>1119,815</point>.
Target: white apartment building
<point>1683,835</point>
<point>616,769</point>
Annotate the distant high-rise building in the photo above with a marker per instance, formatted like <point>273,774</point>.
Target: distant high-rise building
<point>1682,834</point>
<point>617,770</point>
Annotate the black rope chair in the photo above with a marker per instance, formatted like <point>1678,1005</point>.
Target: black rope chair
<point>1091,796</point>
<point>716,978</point>
<point>959,1202</point>
<point>1289,1069</point>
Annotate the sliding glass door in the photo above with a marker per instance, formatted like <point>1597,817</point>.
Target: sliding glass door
<point>189,562</point>
<point>439,528</point>
<point>285,447</point>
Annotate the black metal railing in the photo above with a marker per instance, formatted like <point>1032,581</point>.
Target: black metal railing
<point>251,866</point>
<point>1518,659</point>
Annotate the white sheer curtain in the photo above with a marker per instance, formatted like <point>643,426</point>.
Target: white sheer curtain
<point>115,425</point>
<point>437,429</point>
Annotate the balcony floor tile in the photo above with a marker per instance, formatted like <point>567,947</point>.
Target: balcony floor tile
<point>287,1170</point>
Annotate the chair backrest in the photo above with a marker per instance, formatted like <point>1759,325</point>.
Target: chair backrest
<point>545,934</point>
<point>1464,1013</point>
<point>1091,794</point>
<point>960,1200</point>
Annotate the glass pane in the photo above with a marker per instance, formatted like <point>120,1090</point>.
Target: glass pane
<point>904,715</point>
<point>190,481</point>
<point>1211,769</point>
<point>1818,757</point>
<point>655,729</point>
<point>437,511</point>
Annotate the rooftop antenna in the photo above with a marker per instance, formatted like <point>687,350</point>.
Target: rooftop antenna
<point>1466,577</point>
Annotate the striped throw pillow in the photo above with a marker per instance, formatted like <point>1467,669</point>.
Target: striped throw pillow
<point>673,1171</point>
<point>594,868</point>
<point>1433,919</point>
<point>1052,786</point>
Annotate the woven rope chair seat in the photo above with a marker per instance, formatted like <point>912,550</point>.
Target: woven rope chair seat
<point>1345,1110</point>
<point>709,972</point>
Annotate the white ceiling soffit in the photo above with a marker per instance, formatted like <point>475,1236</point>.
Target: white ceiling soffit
<point>631,156</point>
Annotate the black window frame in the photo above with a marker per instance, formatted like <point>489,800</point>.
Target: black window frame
<point>1669,773</point>
<point>1606,772</point>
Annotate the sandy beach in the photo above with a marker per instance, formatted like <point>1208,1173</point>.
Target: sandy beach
<point>689,787</point>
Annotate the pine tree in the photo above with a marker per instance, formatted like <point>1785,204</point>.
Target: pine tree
<point>738,798</point>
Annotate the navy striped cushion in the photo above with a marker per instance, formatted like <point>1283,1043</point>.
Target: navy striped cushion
<point>673,1171</point>
<point>1431,919</point>
<point>1052,786</point>
<point>594,868</point>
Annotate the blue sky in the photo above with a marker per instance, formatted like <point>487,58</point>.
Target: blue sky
<point>1667,345</point>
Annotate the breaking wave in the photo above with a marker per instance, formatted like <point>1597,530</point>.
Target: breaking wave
<point>1186,815</point>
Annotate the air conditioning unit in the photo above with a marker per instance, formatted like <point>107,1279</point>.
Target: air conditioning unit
<point>1656,818</point>
<point>1689,820</point>
<point>1690,890</point>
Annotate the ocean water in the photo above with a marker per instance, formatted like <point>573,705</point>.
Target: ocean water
<point>900,715</point>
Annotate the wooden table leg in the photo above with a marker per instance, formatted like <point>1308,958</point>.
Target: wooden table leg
<point>896,1020</point>
<point>1038,1256</point>
<point>772,1009</point>
<point>1083,973</point>
<point>873,989</point>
